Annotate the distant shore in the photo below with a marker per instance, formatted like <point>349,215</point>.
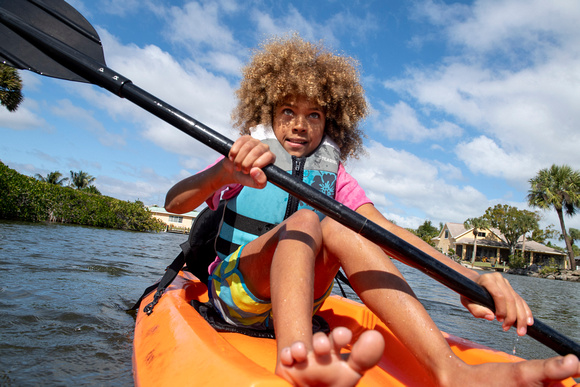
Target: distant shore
<point>562,275</point>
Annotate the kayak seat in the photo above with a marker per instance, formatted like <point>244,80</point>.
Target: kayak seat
<point>207,311</point>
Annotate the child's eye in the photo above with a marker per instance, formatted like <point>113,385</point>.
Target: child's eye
<point>315,115</point>
<point>287,112</point>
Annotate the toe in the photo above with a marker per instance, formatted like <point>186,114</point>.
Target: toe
<point>367,351</point>
<point>321,344</point>
<point>340,337</point>
<point>298,352</point>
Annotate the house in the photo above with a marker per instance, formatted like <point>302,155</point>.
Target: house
<point>492,245</point>
<point>175,222</point>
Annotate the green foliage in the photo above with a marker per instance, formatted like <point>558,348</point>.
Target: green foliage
<point>516,261</point>
<point>10,88</point>
<point>24,198</point>
<point>573,234</point>
<point>542,236</point>
<point>52,178</point>
<point>91,189</point>
<point>551,268</point>
<point>557,187</point>
<point>512,222</point>
<point>81,179</point>
<point>427,231</point>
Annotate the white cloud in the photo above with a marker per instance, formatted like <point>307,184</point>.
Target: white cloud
<point>483,156</point>
<point>199,24</point>
<point>123,7</point>
<point>403,123</point>
<point>341,23</point>
<point>187,86</point>
<point>408,189</point>
<point>25,118</point>
<point>529,23</point>
<point>85,120</point>
<point>514,78</point>
<point>149,188</point>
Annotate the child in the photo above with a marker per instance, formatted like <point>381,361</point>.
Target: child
<point>300,107</point>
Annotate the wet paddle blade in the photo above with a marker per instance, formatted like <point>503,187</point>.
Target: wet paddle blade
<point>55,18</point>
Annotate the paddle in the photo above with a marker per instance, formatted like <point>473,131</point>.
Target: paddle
<point>52,38</point>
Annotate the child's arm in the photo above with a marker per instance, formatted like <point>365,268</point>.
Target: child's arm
<point>242,166</point>
<point>509,305</point>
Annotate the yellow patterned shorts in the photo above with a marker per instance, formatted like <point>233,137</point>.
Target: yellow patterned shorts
<point>236,304</point>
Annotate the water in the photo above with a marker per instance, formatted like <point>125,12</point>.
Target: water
<point>63,295</point>
<point>555,303</point>
<point>64,291</point>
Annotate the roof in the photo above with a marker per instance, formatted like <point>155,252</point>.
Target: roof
<point>536,246</point>
<point>457,229</point>
<point>161,210</point>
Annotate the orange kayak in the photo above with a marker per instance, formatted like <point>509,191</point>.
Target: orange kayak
<point>175,346</point>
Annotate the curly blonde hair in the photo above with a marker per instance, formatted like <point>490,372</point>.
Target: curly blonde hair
<point>285,66</point>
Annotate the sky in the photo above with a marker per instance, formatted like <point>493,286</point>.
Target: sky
<point>469,99</point>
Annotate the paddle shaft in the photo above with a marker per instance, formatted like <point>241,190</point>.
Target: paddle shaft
<point>98,74</point>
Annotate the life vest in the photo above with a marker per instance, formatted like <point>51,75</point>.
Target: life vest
<point>253,212</point>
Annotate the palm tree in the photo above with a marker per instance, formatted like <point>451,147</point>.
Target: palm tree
<point>557,187</point>
<point>52,178</point>
<point>80,179</point>
<point>574,234</point>
<point>10,88</point>
<point>477,224</point>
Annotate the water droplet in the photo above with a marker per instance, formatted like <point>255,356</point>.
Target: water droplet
<point>516,343</point>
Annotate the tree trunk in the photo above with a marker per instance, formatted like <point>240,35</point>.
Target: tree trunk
<point>571,262</point>
<point>474,247</point>
<point>524,249</point>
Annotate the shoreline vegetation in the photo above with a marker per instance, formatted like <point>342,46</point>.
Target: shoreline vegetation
<point>547,272</point>
<point>24,198</point>
<point>558,274</point>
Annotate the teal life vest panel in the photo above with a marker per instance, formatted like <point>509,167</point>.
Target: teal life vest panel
<point>254,212</point>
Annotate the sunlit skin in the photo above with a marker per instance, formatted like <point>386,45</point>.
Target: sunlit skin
<point>299,125</point>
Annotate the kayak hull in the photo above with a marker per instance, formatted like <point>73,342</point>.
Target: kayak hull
<point>176,346</point>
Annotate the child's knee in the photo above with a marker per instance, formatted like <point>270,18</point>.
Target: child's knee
<point>306,218</point>
<point>306,221</point>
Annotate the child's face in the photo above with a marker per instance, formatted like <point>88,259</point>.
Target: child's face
<point>299,125</point>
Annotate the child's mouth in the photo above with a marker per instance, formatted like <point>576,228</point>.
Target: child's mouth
<point>297,142</point>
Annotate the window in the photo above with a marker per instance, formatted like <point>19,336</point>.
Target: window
<point>481,234</point>
<point>175,219</point>
<point>446,234</point>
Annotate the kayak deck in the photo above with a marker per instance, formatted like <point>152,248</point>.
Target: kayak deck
<point>176,346</point>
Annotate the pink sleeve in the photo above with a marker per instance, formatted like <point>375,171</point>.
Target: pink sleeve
<point>348,191</point>
<point>226,192</point>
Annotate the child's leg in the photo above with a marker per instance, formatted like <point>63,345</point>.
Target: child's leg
<point>280,266</point>
<point>383,289</point>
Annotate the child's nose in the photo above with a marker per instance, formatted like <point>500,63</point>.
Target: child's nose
<point>300,123</point>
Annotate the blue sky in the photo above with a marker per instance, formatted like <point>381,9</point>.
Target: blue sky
<point>469,99</point>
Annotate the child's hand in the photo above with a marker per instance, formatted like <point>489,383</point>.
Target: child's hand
<point>246,159</point>
<point>510,308</point>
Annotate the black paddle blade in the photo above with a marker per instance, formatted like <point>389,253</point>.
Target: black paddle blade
<point>55,18</point>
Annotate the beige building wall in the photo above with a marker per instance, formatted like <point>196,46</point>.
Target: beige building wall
<point>174,222</point>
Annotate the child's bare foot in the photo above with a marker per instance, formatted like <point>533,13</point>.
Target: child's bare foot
<point>525,373</point>
<point>324,365</point>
